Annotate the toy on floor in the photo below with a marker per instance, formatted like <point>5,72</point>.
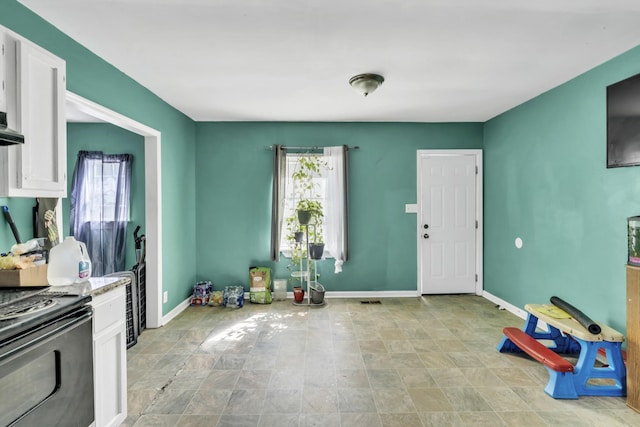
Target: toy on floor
<point>568,336</point>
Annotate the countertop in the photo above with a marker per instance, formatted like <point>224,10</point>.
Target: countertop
<point>94,286</point>
<point>76,296</point>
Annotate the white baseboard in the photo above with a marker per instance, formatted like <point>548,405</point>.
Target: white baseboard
<point>371,294</point>
<point>503,305</point>
<point>361,294</point>
<point>177,310</point>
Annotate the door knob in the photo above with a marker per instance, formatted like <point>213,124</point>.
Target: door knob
<point>426,236</point>
<point>426,226</point>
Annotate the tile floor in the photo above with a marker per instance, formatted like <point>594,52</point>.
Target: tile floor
<point>429,361</point>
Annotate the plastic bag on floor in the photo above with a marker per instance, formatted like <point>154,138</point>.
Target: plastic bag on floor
<point>233,296</point>
<point>260,285</point>
<point>201,292</point>
<point>216,298</point>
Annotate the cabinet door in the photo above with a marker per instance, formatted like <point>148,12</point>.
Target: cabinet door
<point>109,368</point>
<point>41,92</point>
<point>3,65</point>
<point>35,91</point>
<point>110,357</point>
<point>633,337</point>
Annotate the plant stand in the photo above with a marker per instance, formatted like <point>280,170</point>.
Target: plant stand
<point>305,273</point>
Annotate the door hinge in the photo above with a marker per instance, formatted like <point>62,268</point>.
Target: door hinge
<point>476,224</point>
<point>476,169</point>
<point>476,277</point>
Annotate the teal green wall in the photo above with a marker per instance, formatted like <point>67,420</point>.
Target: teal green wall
<point>233,182</point>
<point>546,181</point>
<point>93,78</point>
<point>22,216</point>
<point>110,139</point>
<point>544,172</point>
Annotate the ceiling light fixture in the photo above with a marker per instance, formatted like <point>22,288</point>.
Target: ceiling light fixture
<point>366,83</point>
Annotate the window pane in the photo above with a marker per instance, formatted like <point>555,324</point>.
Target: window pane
<point>293,195</point>
<point>104,186</point>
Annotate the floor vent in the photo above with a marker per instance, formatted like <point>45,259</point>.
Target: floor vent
<point>371,302</point>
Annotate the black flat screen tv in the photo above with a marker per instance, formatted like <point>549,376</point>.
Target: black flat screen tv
<point>623,123</point>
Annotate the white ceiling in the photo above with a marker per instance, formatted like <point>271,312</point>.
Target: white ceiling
<point>291,60</point>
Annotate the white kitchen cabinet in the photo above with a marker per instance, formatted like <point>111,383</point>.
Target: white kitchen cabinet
<point>3,62</point>
<point>35,92</point>
<point>110,357</point>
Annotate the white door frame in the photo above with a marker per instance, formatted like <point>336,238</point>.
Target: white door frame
<point>479,202</point>
<point>152,197</point>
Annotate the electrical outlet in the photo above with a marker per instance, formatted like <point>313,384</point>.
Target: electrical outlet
<point>165,297</point>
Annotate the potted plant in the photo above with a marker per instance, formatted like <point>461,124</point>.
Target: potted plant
<point>316,249</point>
<point>298,294</point>
<point>312,209</point>
<point>314,228</point>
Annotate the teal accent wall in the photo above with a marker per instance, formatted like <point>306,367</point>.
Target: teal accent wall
<point>93,78</point>
<point>546,181</point>
<point>109,139</point>
<point>233,183</point>
<point>22,214</point>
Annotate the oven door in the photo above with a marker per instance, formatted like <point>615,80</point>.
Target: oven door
<point>46,376</point>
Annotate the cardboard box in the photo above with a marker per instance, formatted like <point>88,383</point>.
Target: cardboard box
<point>34,276</point>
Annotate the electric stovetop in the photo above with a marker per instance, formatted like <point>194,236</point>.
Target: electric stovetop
<point>24,309</point>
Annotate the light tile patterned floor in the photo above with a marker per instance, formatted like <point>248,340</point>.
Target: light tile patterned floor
<point>429,361</point>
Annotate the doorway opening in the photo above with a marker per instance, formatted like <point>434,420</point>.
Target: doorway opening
<point>153,194</point>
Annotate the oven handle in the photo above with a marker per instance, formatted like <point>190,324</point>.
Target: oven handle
<point>57,331</point>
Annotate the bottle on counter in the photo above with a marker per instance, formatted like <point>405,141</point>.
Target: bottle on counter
<point>69,263</point>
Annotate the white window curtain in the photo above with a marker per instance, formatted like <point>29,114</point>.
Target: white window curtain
<point>100,208</point>
<point>336,214</point>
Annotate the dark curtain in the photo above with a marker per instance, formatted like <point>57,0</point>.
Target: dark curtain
<point>100,208</point>
<point>277,201</point>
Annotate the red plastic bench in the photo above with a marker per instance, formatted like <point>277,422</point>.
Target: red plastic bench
<point>538,351</point>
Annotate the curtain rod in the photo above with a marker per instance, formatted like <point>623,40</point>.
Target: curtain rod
<point>315,147</point>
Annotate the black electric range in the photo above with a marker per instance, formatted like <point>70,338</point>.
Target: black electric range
<point>46,358</point>
<point>22,310</point>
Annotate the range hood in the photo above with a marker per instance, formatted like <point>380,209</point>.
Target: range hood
<point>8,136</point>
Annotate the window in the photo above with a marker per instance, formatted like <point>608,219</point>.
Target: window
<point>293,194</point>
<point>103,179</point>
<point>325,183</point>
<point>100,208</point>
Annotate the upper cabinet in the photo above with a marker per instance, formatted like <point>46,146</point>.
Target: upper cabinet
<point>35,91</point>
<point>3,94</point>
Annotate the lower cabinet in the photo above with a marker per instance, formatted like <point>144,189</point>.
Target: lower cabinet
<point>110,357</point>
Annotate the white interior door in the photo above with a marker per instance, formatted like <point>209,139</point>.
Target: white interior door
<point>449,223</point>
